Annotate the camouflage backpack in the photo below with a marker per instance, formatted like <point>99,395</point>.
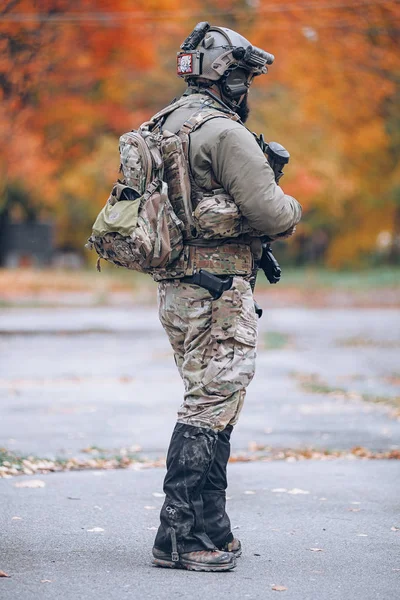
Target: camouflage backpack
<point>148,215</point>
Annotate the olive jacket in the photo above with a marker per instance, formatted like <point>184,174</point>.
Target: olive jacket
<point>224,154</point>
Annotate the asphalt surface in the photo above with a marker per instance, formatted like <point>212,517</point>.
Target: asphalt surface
<point>77,378</point>
<point>105,377</point>
<point>334,542</point>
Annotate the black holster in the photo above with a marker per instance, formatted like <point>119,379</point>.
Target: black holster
<point>215,284</point>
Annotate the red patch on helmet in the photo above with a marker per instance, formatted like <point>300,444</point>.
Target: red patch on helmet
<point>185,64</point>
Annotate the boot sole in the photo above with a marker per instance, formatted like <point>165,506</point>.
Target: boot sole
<point>189,566</point>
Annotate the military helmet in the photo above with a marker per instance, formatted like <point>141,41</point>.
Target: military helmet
<point>210,53</point>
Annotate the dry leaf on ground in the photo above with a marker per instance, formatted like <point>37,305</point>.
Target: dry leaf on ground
<point>30,483</point>
<point>2,574</point>
<point>279,588</point>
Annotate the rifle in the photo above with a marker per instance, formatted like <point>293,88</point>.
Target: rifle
<point>277,157</point>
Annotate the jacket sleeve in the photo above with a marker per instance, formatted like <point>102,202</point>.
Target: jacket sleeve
<point>241,168</point>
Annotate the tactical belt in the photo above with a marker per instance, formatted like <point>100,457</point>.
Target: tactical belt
<point>214,263</point>
<point>228,259</point>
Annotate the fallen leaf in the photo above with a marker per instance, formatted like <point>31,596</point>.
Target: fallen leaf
<point>296,491</point>
<point>95,530</point>
<point>279,588</point>
<point>316,549</point>
<point>135,448</point>
<point>395,529</point>
<point>2,574</point>
<point>16,519</point>
<point>30,483</point>
<point>253,446</point>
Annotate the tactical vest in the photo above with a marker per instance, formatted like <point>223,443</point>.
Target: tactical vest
<point>216,236</point>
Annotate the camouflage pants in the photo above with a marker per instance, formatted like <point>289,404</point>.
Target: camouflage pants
<point>214,344</point>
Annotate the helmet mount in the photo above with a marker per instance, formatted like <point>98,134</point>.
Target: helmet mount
<point>214,53</point>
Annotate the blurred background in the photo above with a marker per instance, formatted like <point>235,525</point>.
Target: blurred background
<point>75,75</point>
<point>87,376</point>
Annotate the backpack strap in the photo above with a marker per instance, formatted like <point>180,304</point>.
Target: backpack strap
<point>195,121</point>
<point>204,114</point>
<point>164,112</point>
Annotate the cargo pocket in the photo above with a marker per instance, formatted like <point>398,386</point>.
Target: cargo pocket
<point>230,359</point>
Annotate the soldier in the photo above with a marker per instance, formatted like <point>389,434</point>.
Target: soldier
<point>214,337</point>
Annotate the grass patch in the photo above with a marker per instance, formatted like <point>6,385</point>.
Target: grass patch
<point>321,278</point>
<point>360,342</point>
<point>322,388</point>
<point>33,287</point>
<point>314,385</point>
<point>12,463</point>
<point>274,340</point>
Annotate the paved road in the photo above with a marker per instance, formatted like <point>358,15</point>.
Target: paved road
<point>348,514</point>
<point>73,378</point>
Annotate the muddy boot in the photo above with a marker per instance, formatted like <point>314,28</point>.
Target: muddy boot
<point>181,540</point>
<point>217,523</point>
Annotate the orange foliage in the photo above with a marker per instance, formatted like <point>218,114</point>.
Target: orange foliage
<point>74,76</point>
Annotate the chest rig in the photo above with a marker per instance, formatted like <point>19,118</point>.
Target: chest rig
<point>213,227</point>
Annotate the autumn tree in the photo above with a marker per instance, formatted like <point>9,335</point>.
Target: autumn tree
<point>74,77</point>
